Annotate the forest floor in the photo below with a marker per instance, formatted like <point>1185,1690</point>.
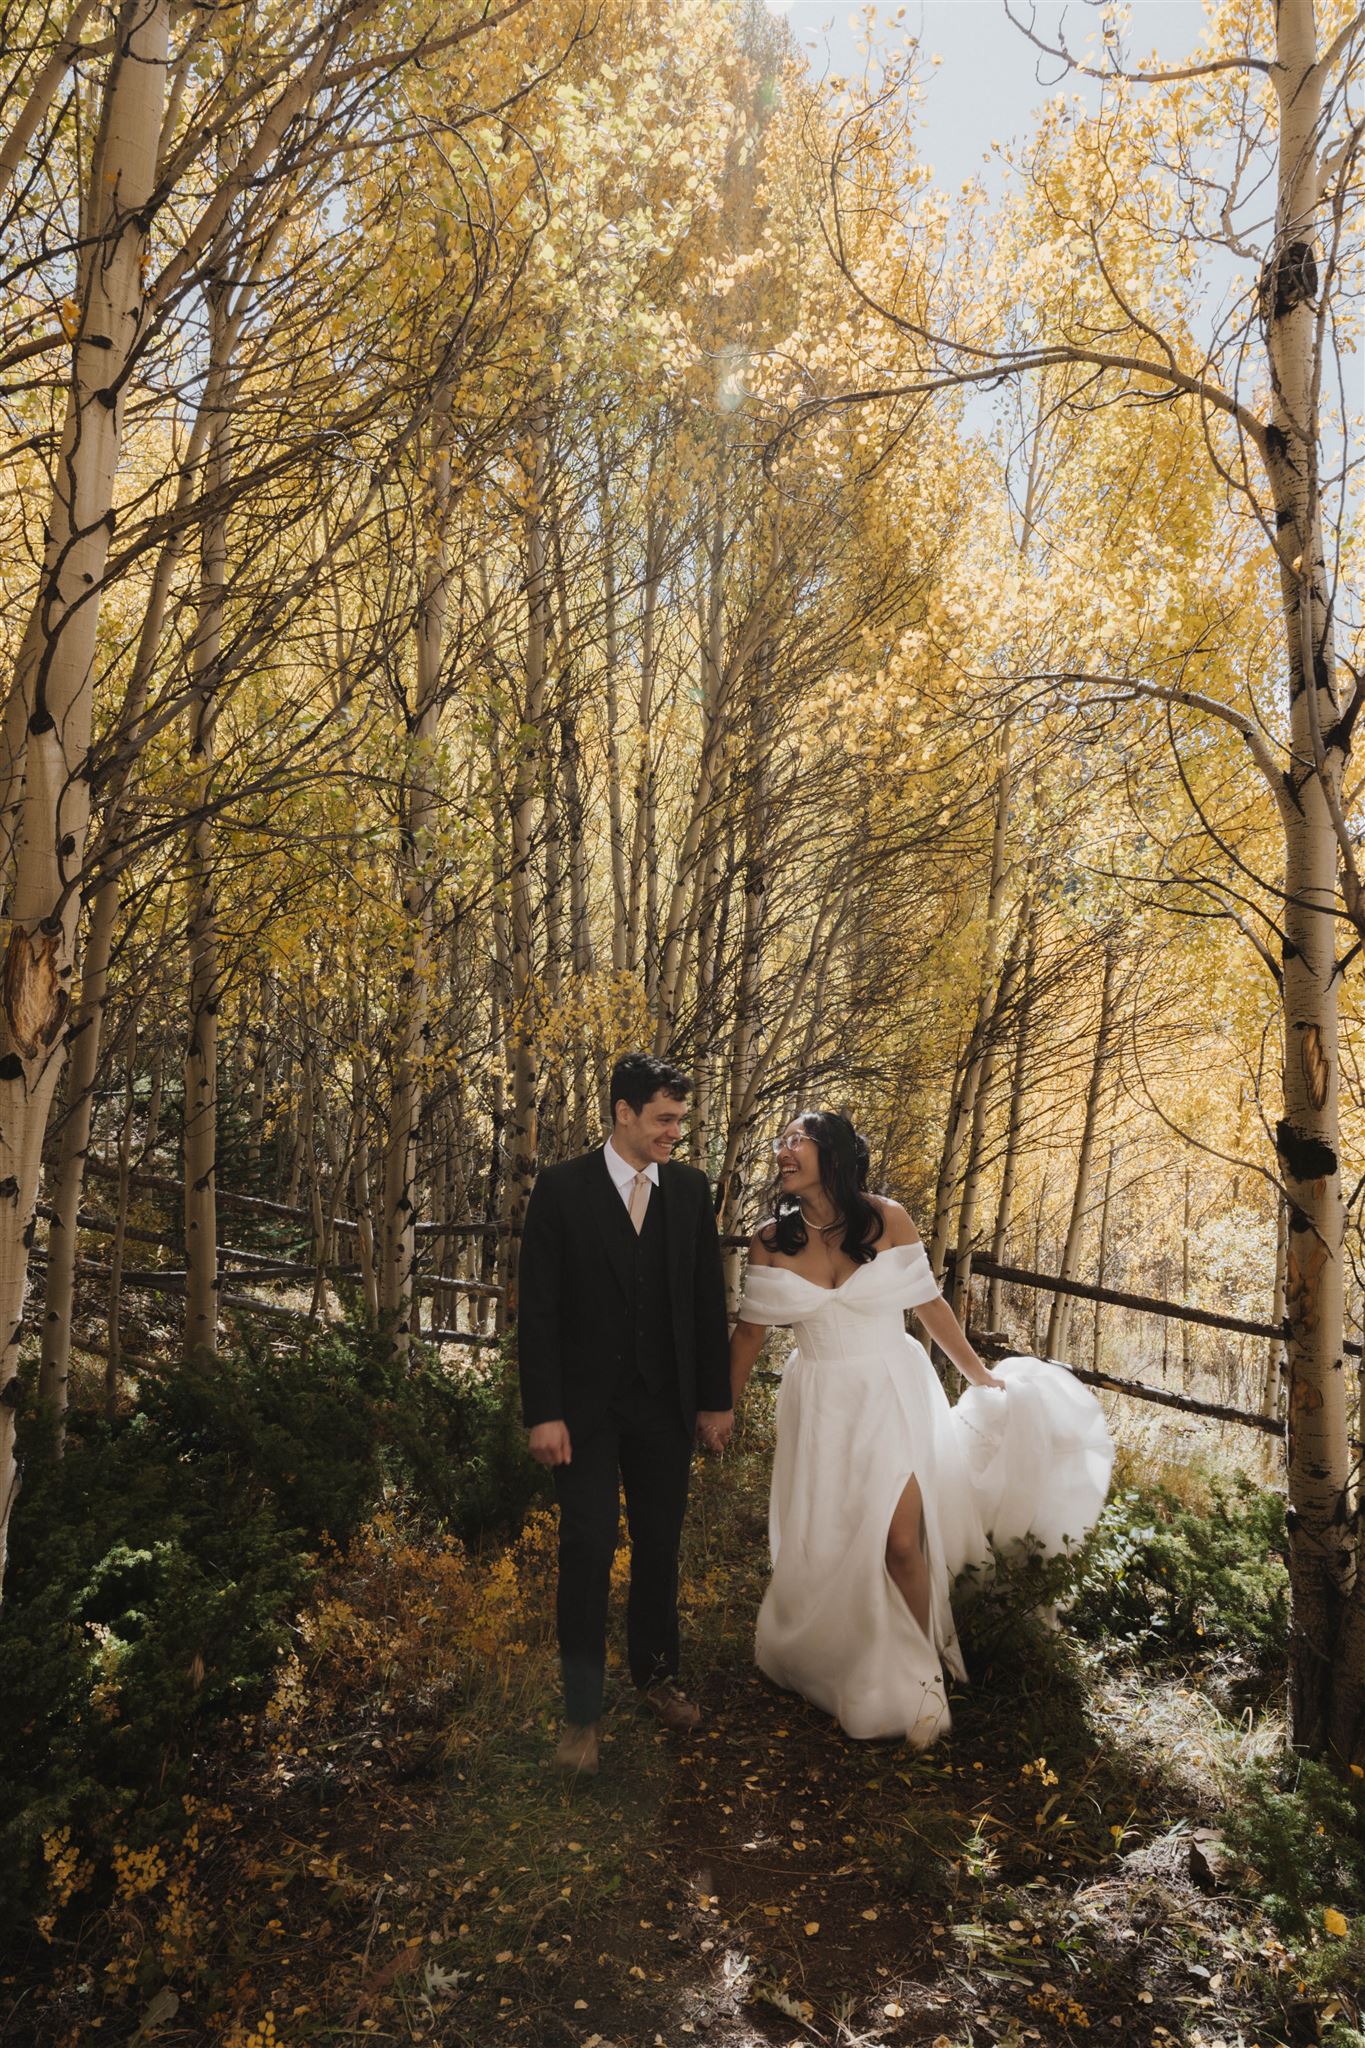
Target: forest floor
<point>389,1855</point>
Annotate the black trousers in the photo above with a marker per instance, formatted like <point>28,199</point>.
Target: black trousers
<point>644,1445</point>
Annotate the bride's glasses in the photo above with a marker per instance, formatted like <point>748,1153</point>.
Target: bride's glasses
<point>792,1142</point>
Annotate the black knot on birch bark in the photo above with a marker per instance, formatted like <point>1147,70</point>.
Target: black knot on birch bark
<point>1290,279</point>
<point>1305,1157</point>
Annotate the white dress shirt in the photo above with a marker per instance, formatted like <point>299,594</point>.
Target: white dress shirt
<point>623,1173</point>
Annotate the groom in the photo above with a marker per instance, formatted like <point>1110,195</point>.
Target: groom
<point>622,1344</point>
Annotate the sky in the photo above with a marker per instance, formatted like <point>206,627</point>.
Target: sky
<point>989,82</point>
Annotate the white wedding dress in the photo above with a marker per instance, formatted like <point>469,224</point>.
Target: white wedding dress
<point>860,1411</point>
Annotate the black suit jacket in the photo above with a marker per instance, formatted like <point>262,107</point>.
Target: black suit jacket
<point>573,1331</point>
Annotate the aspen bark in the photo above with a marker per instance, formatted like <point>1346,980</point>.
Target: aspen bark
<point>363,1192</point>
<point>1186,1348</point>
<point>580,927</point>
<point>122,1199</point>
<point>521,1133</point>
<point>205,968</point>
<point>86,1036</point>
<point>1004,1210</point>
<point>1102,1256</point>
<point>1059,1321</point>
<point>1272,1394</point>
<point>611,661</point>
<point>398,1232</point>
<point>1327,1642</point>
<point>41,91</point>
<point>962,1107</point>
<point>641,884</point>
<point>716,679</point>
<point>55,683</point>
<point>974,1164</point>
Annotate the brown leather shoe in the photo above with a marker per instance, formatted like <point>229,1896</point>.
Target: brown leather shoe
<point>577,1751</point>
<point>671,1706</point>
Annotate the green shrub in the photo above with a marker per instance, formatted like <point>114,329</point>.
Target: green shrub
<point>1299,1834</point>
<point>491,1483</point>
<point>157,1565</point>
<point>1158,1574</point>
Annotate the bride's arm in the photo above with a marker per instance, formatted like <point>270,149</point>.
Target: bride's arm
<point>746,1339</point>
<point>935,1316</point>
<point>947,1332</point>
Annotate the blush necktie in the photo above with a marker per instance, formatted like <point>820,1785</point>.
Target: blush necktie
<point>639,1201</point>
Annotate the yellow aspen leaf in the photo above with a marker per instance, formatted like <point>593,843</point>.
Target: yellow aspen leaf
<point>812,1927</point>
<point>1335,1922</point>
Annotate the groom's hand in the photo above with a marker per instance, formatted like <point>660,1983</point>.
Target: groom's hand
<point>548,1443</point>
<point>713,1428</point>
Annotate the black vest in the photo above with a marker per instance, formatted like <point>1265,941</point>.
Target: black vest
<point>649,1353</point>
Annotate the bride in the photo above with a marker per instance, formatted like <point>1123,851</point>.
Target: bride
<point>882,1493</point>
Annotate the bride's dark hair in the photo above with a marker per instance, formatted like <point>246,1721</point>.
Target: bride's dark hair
<point>843,1159</point>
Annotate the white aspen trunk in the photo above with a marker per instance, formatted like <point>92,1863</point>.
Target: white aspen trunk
<point>705,1022</point>
<point>580,929</point>
<point>364,1194</point>
<point>1272,1394</point>
<point>556,1075</point>
<point>151,1129</point>
<point>56,680</point>
<point>611,658</point>
<point>398,1226</point>
<point>1102,1257</point>
<point>40,93</point>
<point>962,1108</point>
<point>122,1199</point>
<point>86,1036</point>
<point>1186,1350</point>
<point>642,879</point>
<point>830,914</point>
<point>974,1164</point>
<point>1327,1633</point>
<point>1059,1321</point>
<point>744,1034</point>
<point>493,1255</point>
<point>205,967</point>
<point>715,679</point>
<point>60,1288</point>
<point>1004,1210</point>
<point>521,1134</point>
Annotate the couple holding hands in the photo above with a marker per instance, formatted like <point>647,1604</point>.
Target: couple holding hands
<point>881,1492</point>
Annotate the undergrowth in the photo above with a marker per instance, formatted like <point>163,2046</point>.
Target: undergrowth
<point>278,1729</point>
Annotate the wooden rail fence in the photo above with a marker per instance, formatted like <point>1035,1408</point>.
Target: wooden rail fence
<point>241,1264</point>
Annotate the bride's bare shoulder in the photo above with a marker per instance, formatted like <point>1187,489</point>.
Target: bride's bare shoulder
<point>899,1229</point>
<point>760,1250</point>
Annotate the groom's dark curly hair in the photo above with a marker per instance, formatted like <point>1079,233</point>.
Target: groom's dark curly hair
<point>638,1077</point>
<point>844,1161</point>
